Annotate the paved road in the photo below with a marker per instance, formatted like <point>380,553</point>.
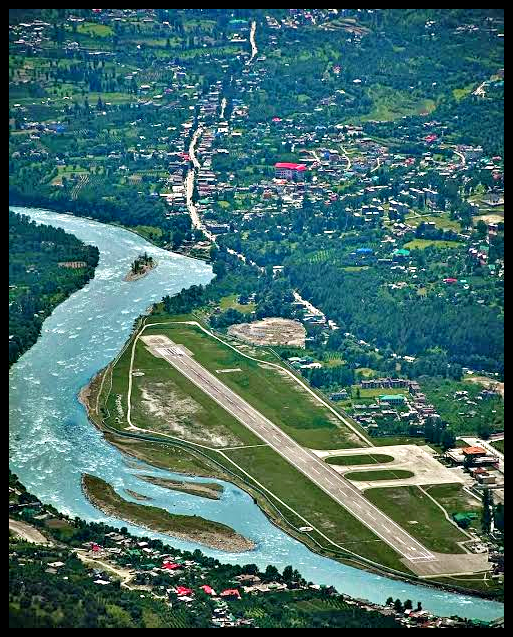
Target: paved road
<point>305,461</point>
<point>27,532</point>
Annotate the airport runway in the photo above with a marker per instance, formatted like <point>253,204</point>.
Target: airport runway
<point>308,463</point>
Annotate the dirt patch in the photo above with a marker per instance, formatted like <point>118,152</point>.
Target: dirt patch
<point>487,383</point>
<point>212,491</point>
<point>138,496</point>
<point>271,331</point>
<point>172,412</point>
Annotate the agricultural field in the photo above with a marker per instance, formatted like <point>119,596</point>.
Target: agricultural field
<point>230,303</point>
<point>391,104</point>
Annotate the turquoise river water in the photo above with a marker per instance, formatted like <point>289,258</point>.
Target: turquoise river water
<point>52,443</point>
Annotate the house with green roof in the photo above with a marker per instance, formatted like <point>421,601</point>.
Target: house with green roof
<point>392,399</point>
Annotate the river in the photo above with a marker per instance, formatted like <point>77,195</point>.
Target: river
<point>52,443</point>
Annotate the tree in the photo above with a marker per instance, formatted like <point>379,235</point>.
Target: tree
<point>408,605</point>
<point>487,514</point>
<point>484,430</point>
<point>499,517</point>
<point>271,573</point>
<point>448,440</point>
<point>419,606</point>
<point>468,461</point>
<point>398,606</point>
<point>481,229</point>
<point>390,601</point>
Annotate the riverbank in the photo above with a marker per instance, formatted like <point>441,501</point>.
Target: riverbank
<point>209,490</point>
<point>190,528</point>
<point>46,208</point>
<point>62,271</point>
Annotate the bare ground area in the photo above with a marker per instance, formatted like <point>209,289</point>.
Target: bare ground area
<point>488,383</point>
<point>27,532</point>
<point>209,490</point>
<point>173,413</point>
<point>270,331</point>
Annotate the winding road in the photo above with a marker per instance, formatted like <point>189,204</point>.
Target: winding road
<point>252,39</point>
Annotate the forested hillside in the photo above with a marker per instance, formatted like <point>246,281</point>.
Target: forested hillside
<point>37,283</point>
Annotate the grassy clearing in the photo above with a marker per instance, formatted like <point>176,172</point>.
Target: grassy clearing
<point>296,490</point>
<point>460,93</point>
<point>350,461</point>
<point>230,302</point>
<point>391,104</point>
<point>273,393</point>
<point>442,221</point>
<point>499,445</point>
<point>368,476</point>
<point>390,441</point>
<point>481,583</point>
<point>455,499</point>
<point>417,514</point>
<point>375,393</point>
<point>95,30</point>
<point>190,527</point>
<point>421,244</point>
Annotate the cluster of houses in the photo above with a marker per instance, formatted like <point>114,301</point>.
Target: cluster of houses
<point>411,407</point>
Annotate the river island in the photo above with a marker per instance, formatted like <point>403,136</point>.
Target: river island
<point>191,528</point>
<point>140,267</point>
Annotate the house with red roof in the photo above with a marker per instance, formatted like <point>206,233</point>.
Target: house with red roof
<point>182,591</point>
<point>231,593</point>
<point>208,590</point>
<point>288,170</point>
<point>169,566</point>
